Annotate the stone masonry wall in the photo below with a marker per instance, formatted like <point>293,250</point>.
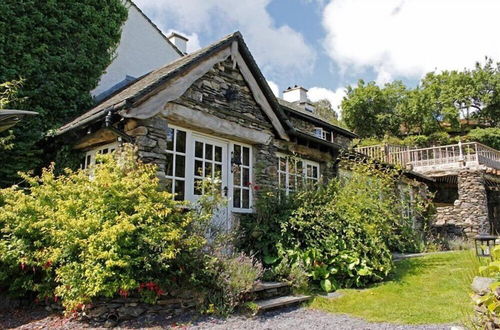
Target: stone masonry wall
<point>469,214</point>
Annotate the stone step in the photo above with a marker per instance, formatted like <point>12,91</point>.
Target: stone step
<point>269,285</point>
<point>280,302</point>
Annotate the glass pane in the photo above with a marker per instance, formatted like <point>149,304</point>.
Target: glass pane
<point>282,164</point>
<point>237,152</point>
<point>179,190</point>
<point>104,151</point>
<point>218,154</point>
<point>169,165</point>
<point>208,169</point>
<point>246,156</point>
<point>282,180</point>
<point>246,199</point>
<point>236,198</point>
<point>218,171</point>
<point>198,149</point>
<point>180,166</point>
<point>180,143</point>
<point>315,172</point>
<point>237,178</point>
<point>168,185</point>
<point>300,169</point>
<point>197,187</point>
<point>208,151</point>
<point>291,182</point>
<point>170,139</point>
<point>198,168</point>
<point>309,170</point>
<point>246,176</point>
<point>88,161</point>
<point>291,166</point>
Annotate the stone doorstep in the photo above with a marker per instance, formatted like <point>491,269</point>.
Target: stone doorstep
<point>261,286</point>
<point>280,302</point>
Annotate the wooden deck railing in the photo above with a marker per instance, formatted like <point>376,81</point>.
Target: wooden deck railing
<point>461,153</point>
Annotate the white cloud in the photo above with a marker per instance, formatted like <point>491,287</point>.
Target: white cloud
<point>274,87</point>
<point>277,49</point>
<point>335,97</point>
<point>407,38</point>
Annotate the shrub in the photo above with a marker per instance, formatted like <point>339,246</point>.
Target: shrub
<point>488,136</point>
<point>341,233</point>
<point>231,277</point>
<point>76,237</point>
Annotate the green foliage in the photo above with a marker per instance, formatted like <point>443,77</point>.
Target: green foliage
<point>341,234</point>
<point>490,302</point>
<point>324,110</point>
<point>232,277</point>
<point>487,136</point>
<point>59,49</point>
<point>370,110</point>
<point>77,237</point>
<point>8,94</point>
<point>439,101</point>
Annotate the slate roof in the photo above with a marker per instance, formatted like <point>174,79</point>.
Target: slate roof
<point>147,83</point>
<point>126,97</point>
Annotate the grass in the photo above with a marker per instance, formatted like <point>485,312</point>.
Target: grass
<point>425,290</point>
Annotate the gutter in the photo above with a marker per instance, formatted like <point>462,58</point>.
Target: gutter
<point>93,117</point>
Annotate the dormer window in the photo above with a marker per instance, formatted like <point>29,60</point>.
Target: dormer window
<point>318,132</point>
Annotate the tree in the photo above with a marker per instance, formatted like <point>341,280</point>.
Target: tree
<point>60,48</point>
<point>370,111</point>
<point>8,91</point>
<point>325,111</point>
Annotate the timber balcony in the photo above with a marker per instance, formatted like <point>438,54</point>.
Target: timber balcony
<point>437,159</point>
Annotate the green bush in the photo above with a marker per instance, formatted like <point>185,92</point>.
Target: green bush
<point>341,233</point>
<point>231,277</point>
<point>76,237</point>
<point>488,136</point>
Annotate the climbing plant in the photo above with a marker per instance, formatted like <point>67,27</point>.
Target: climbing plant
<point>59,48</point>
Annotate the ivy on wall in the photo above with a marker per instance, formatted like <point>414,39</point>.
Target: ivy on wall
<point>60,48</point>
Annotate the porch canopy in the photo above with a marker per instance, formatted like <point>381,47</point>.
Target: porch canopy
<point>9,118</point>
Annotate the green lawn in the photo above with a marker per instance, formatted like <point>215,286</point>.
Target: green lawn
<point>430,289</point>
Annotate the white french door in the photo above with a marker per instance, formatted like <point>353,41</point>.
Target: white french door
<point>209,160</point>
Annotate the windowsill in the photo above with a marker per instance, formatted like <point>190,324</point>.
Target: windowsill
<point>242,211</point>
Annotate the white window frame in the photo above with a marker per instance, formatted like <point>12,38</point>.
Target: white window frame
<point>174,178</point>
<point>304,176</point>
<point>189,195</point>
<point>243,186</point>
<point>90,156</point>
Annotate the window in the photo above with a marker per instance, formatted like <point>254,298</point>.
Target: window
<point>175,170</point>
<point>208,163</point>
<point>242,174</point>
<point>193,156</point>
<point>294,172</point>
<point>90,156</point>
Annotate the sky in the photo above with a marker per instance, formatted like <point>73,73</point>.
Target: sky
<point>326,45</point>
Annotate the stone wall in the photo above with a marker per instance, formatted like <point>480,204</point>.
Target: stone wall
<point>469,214</point>
<point>223,92</point>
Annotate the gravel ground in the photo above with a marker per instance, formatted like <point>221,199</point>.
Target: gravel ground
<point>295,318</point>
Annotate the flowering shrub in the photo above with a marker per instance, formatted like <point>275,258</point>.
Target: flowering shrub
<point>76,237</point>
<point>342,233</point>
<point>231,277</point>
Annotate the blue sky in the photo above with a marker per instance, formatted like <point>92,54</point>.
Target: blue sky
<point>325,45</point>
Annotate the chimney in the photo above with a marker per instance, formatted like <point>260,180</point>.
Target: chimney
<point>298,96</point>
<point>179,41</point>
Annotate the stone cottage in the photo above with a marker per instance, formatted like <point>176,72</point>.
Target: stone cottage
<point>211,113</point>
